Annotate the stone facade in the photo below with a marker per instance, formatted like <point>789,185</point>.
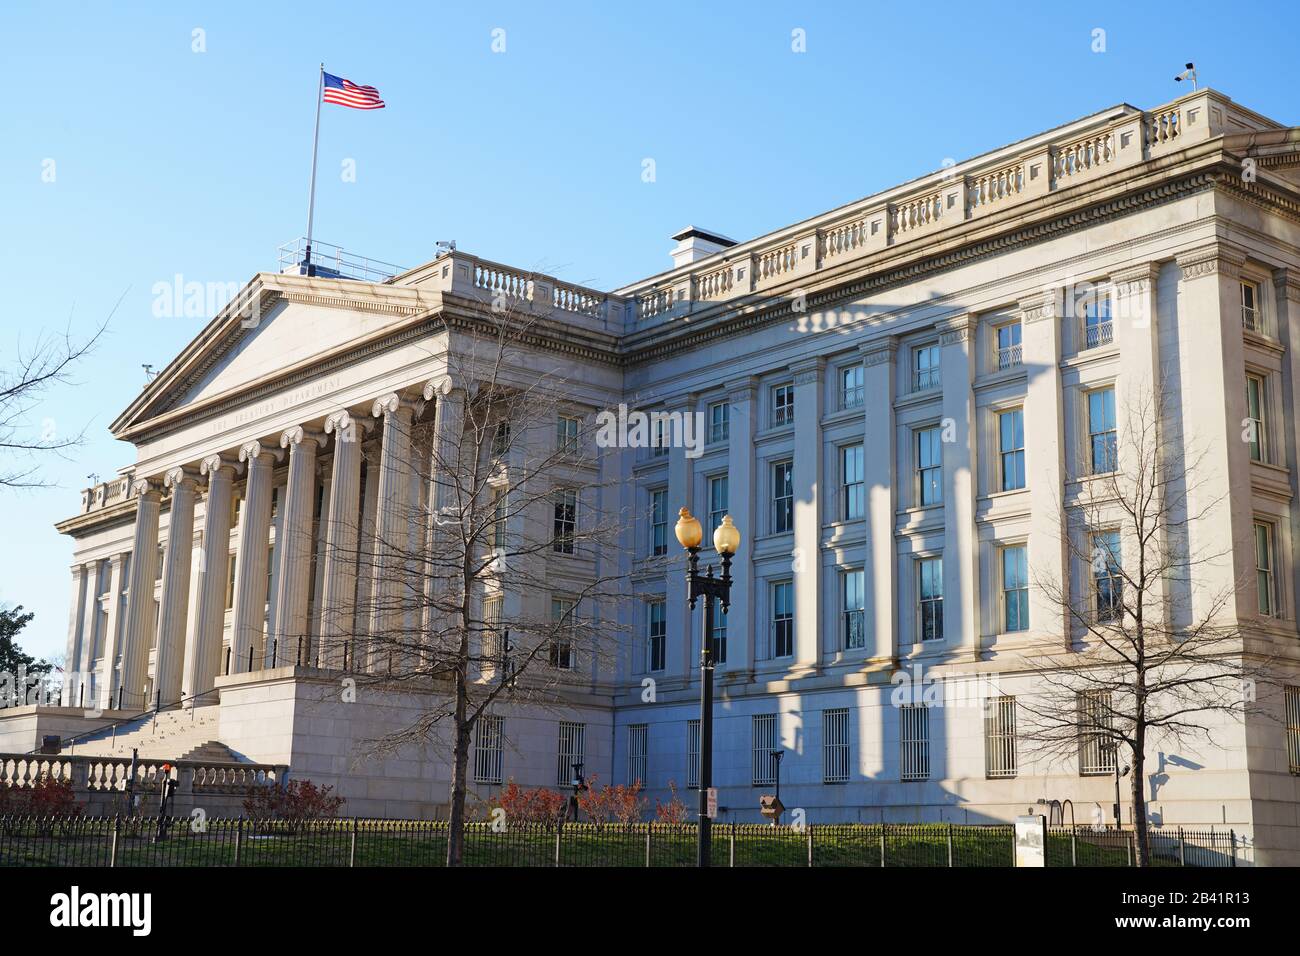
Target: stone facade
<point>830,347</point>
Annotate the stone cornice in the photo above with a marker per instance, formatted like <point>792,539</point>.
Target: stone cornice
<point>1287,282</point>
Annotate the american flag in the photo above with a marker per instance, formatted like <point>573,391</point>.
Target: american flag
<point>346,93</point>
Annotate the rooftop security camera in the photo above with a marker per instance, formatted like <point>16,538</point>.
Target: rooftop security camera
<point>1187,74</point>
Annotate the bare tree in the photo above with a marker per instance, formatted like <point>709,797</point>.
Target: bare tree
<point>1155,650</point>
<point>502,501</point>
<point>23,385</point>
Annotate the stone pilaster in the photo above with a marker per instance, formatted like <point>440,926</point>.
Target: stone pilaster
<point>138,628</point>
<point>292,638</point>
<point>89,638</point>
<point>442,492</point>
<point>742,628</point>
<point>961,618</point>
<point>808,610</point>
<point>880,435</point>
<point>76,636</point>
<point>680,622</point>
<point>113,631</point>
<point>251,583</point>
<point>172,610</point>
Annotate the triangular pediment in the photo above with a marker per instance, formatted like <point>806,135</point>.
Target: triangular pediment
<point>275,325</point>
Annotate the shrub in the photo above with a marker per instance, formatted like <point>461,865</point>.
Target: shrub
<point>622,803</point>
<point>295,803</point>
<point>537,805</point>
<point>674,811</point>
<point>46,797</point>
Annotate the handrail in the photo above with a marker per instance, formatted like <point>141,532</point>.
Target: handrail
<point>156,709</point>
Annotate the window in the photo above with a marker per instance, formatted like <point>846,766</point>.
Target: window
<point>1256,412</point>
<point>638,739</point>
<point>929,466</point>
<point>1251,317</point>
<point>851,387</point>
<point>782,497</point>
<point>929,575</point>
<point>493,643</point>
<point>1015,589</point>
<point>1264,580</point>
<point>230,581</point>
<point>566,520</point>
<point>1101,430</point>
<point>1096,750</point>
<point>566,433</point>
<point>1011,448</point>
<point>783,405</point>
<point>783,619</point>
<point>853,492</point>
<point>659,439</point>
<point>1292,696</point>
<point>1107,582</point>
<point>1000,737</point>
<point>764,746</point>
<point>656,636</point>
<point>1097,328</point>
<point>500,439</point>
<point>659,522</point>
<point>719,421</point>
<point>693,754</point>
<point>561,650</point>
<point>717,503</point>
<point>718,639</point>
<point>852,625</point>
<point>925,367</point>
<point>489,749</point>
<point>499,513</point>
<point>1008,345</point>
<point>835,745</point>
<point>914,738</point>
<point>570,752</point>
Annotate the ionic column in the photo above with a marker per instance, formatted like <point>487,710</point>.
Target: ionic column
<point>1049,579</point>
<point>251,561</point>
<point>113,630</point>
<point>203,640</point>
<point>808,610</point>
<point>444,469</point>
<point>879,439</point>
<point>391,521</point>
<point>76,636</point>
<point>961,619</point>
<point>89,637</point>
<point>175,587</point>
<point>139,606</point>
<point>290,629</point>
<point>339,582</point>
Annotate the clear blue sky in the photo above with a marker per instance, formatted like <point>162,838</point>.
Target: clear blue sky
<point>170,161</point>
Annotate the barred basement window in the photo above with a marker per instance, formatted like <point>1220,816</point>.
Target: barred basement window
<point>764,772</point>
<point>1000,737</point>
<point>693,754</point>
<point>835,746</point>
<point>638,737</point>
<point>1293,728</point>
<point>489,749</point>
<point>1096,751</point>
<point>571,751</point>
<point>914,738</point>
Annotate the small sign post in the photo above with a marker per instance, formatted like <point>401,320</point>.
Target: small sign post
<point>711,810</point>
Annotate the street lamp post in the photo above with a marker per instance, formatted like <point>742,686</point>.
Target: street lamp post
<point>726,539</point>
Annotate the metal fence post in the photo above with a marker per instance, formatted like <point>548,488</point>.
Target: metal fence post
<point>1232,837</point>
<point>810,842</point>
<point>950,844</point>
<point>882,845</point>
<point>648,830</point>
<point>1074,847</point>
<point>1128,846</point>
<point>112,850</point>
<point>239,840</point>
<point>1182,848</point>
<point>352,848</point>
<point>732,855</point>
<point>559,829</point>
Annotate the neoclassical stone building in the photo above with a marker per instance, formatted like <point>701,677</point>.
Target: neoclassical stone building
<point>900,397</point>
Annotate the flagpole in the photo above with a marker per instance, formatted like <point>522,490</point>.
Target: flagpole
<point>315,144</point>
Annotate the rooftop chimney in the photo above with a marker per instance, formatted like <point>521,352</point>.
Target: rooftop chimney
<point>694,244</point>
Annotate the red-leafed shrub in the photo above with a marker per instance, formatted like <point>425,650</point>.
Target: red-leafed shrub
<point>295,803</point>
<point>620,802</point>
<point>47,797</point>
<point>674,811</point>
<point>537,805</point>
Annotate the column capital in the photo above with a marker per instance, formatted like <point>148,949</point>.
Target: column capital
<point>1043,305</point>
<point>808,371</point>
<point>742,389</point>
<point>296,435</point>
<point>956,329</point>
<point>180,476</point>
<point>1134,280</point>
<point>441,387</point>
<point>878,351</point>
<point>146,488</point>
<point>395,402</point>
<point>1217,258</point>
<point>213,464</point>
<point>253,450</point>
<point>343,426</point>
<point>1287,282</point>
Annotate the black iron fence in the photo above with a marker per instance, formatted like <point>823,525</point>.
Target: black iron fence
<point>186,841</point>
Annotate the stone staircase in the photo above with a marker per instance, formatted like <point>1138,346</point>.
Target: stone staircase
<point>180,734</point>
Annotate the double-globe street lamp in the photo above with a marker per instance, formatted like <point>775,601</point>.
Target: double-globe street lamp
<point>726,539</point>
